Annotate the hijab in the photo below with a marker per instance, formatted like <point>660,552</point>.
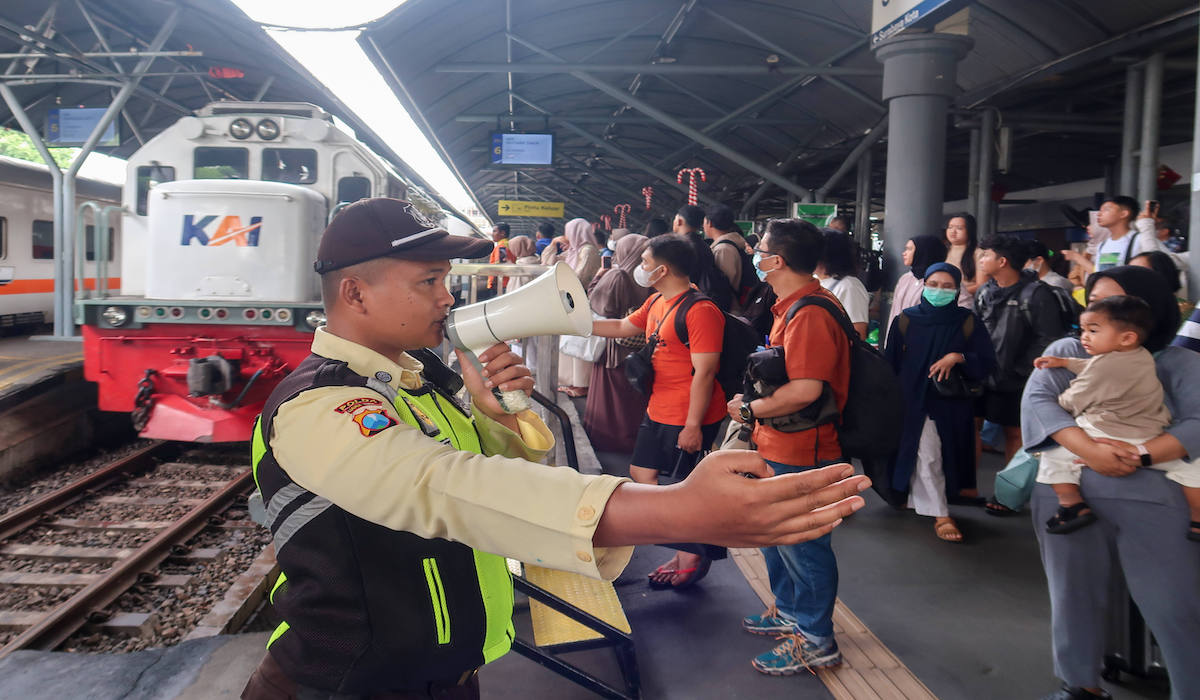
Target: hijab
<point>521,247</point>
<point>928,250</point>
<point>1150,287</point>
<point>614,293</point>
<point>929,336</point>
<point>579,234</point>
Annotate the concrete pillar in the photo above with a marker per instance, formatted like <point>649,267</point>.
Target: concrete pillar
<point>919,73</point>
<point>985,215</point>
<point>973,173</point>
<point>862,208</point>
<point>1131,124</point>
<point>1151,118</point>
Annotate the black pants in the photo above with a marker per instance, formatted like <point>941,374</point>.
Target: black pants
<point>269,682</point>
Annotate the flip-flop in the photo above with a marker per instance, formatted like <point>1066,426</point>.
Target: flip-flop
<point>697,572</point>
<point>998,509</point>
<point>660,585</point>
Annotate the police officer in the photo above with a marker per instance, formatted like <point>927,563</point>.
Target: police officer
<point>391,503</point>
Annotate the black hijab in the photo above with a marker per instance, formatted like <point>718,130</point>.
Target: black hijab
<point>1150,287</point>
<point>928,250</point>
<point>931,330</point>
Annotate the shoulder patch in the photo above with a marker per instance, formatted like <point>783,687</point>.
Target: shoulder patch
<point>368,414</point>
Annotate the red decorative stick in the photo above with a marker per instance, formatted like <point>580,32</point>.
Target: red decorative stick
<point>693,187</point>
<point>648,193</point>
<point>621,210</point>
<point>607,221</point>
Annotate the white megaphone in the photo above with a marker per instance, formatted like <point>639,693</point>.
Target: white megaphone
<point>553,304</point>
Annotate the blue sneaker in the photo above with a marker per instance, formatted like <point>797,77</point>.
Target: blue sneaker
<point>795,654</point>
<point>770,623</point>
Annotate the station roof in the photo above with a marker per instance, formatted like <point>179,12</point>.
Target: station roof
<point>236,60</point>
<point>602,74</point>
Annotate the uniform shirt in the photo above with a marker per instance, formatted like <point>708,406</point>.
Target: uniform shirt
<point>673,361</point>
<point>814,347</point>
<point>1119,394</point>
<point>397,477</point>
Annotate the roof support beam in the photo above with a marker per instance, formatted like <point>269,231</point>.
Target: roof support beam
<point>674,124</point>
<point>621,153</point>
<point>624,119</point>
<point>652,69</point>
<point>852,160</point>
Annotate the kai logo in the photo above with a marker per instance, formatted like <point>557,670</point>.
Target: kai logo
<point>229,230</point>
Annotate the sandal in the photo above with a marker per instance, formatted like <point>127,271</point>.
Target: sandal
<point>998,509</point>
<point>1068,519</point>
<point>1194,532</point>
<point>697,572</point>
<point>574,392</point>
<point>948,532</point>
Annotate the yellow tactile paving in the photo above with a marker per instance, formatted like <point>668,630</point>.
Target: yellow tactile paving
<point>14,373</point>
<point>870,671</point>
<point>591,595</point>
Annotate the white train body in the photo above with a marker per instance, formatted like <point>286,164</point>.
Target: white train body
<point>27,241</point>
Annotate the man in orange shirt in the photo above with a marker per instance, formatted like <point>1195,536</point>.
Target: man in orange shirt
<point>687,404</point>
<point>817,356</point>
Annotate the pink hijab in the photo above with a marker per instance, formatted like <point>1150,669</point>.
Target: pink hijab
<point>521,247</point>
<point>579,234</point>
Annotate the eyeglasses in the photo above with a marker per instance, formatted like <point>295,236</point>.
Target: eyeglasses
<point>764,253</point>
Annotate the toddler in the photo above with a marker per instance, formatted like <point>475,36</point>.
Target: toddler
<point>1116,395</point>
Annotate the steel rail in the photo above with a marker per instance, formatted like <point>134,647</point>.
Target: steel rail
<point>63,621</point>
<point>29,514</point>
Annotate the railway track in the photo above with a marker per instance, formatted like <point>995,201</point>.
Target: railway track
<point>125,550</point>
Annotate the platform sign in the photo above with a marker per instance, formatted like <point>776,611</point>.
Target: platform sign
<point>73,127</point>
<point>890,17</point>
<point>816,214</point>
<point>746,227</point>
<point>513,207</point>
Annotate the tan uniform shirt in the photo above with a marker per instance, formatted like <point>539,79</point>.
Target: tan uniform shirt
<point>729,260</point>
<point>1119,393</point>
<point>401,479</point>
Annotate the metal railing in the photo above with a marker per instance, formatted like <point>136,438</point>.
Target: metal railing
<point>101,216</point>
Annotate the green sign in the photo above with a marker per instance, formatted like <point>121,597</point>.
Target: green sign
<point>816,214</point>
<point>747,227</point>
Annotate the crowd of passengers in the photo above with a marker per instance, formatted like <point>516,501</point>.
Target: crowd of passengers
<point>1072,364</point>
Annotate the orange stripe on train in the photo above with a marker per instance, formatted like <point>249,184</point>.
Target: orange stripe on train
<point>46,286</point>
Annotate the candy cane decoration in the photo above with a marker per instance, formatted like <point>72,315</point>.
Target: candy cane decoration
<point>648,193</point>
<point>693,188</point>
<point>607,221</point>
<point>621,210</point>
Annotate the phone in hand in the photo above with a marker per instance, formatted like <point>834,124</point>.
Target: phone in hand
<point>606,262</point>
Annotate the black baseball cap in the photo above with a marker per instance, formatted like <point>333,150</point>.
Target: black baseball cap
<point>373,228</point>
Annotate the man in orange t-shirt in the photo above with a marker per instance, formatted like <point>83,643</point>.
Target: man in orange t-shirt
<point>817,355</point>
<point>687,404</point>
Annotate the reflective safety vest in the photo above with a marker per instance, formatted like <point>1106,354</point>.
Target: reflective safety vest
<point>367,608</point>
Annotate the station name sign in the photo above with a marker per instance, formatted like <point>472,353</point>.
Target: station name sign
<point>513,207</point>
<point>890,17</point>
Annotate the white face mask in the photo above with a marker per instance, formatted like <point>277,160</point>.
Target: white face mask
<point>643,276</point>
<point>1034,267</point>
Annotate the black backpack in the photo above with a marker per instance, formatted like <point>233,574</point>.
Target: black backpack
<point>1068,308</point>
<point>749,278</point>
<point>755,297</point>
<point>707,277</point>
<point>738,341</point>
<point>873,417</point>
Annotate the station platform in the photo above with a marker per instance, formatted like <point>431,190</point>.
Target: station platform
<point>29,364</point>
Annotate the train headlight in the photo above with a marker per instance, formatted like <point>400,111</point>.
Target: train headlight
<point>241,129</point>
<point>315,319</point>
<point>267,130</point>
<point>115,316</point>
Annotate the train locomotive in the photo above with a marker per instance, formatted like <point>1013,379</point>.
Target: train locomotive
<point>219,301</point>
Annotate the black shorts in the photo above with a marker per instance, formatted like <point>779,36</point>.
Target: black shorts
<point>1001,407</point>
<point>655,447</point>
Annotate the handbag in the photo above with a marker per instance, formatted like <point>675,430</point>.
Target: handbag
<point>957,386</point>
<point>1014,483</point>
<point>639,367</point>
<point>633,342</point>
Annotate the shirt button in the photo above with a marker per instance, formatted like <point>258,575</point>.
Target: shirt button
<point>584,557</point>
<point>586,513</point>
<point>383,377</point>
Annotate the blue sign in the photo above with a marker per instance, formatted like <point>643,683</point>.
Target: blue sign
<point>890,17</point>
<point>73,127</point>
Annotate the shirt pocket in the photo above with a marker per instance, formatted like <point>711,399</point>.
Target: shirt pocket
<point>437,599</point>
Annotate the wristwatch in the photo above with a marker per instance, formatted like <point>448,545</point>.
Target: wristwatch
<point>1145,455</point>
<point>746,412</point>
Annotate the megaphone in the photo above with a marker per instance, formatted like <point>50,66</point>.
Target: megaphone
<point>553,304</point>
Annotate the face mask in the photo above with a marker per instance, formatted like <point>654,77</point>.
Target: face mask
<point>939,297</point>
<point>762,274</point>
<point>1034,267</point>
<point>643,276</point>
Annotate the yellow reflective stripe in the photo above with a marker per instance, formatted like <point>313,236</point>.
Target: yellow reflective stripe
<point>437,596</point>
<point>258,448</point>
<point>496,589</point>
<point>278,582</point>
<point>283,627</point>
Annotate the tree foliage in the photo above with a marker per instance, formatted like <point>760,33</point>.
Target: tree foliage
<point>15,144</point>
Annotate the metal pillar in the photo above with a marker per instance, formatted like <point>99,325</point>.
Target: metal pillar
<point>919,73</point>
<point>1130,131</point>
<point>984,213</point>
<point>1151,121</point>
<point>862,209</point>
<point>973,173</point>
<point>1194,214</point>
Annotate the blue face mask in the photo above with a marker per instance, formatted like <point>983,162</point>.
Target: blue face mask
<point>939,297</point>
<point>757,259</point>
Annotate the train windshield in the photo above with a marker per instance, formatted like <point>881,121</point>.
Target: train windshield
<point>294,165</point>
<point>147,177</point>
<point>213,163</point>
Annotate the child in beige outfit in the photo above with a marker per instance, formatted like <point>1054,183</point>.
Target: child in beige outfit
<point>1116,395</point>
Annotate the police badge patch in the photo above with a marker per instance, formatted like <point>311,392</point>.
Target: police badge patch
<point>368,414</point>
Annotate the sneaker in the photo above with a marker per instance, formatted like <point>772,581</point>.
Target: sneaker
<point>796,654</point>
<point>770,623</point>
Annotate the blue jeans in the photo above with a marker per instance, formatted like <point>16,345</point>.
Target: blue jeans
<point>804,579</point>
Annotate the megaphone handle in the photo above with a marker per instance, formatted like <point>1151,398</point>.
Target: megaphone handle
<point>510,401</point>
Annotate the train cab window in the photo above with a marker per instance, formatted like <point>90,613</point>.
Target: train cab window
<point>43,240</point>
<point>3,238</point>
<point>147,177</point>
<point>294,165</point>
<point>351,189</point>
<point>213,163</point>
<point>89,234</point>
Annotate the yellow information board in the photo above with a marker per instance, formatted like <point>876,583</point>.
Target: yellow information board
<point>512,207</point>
